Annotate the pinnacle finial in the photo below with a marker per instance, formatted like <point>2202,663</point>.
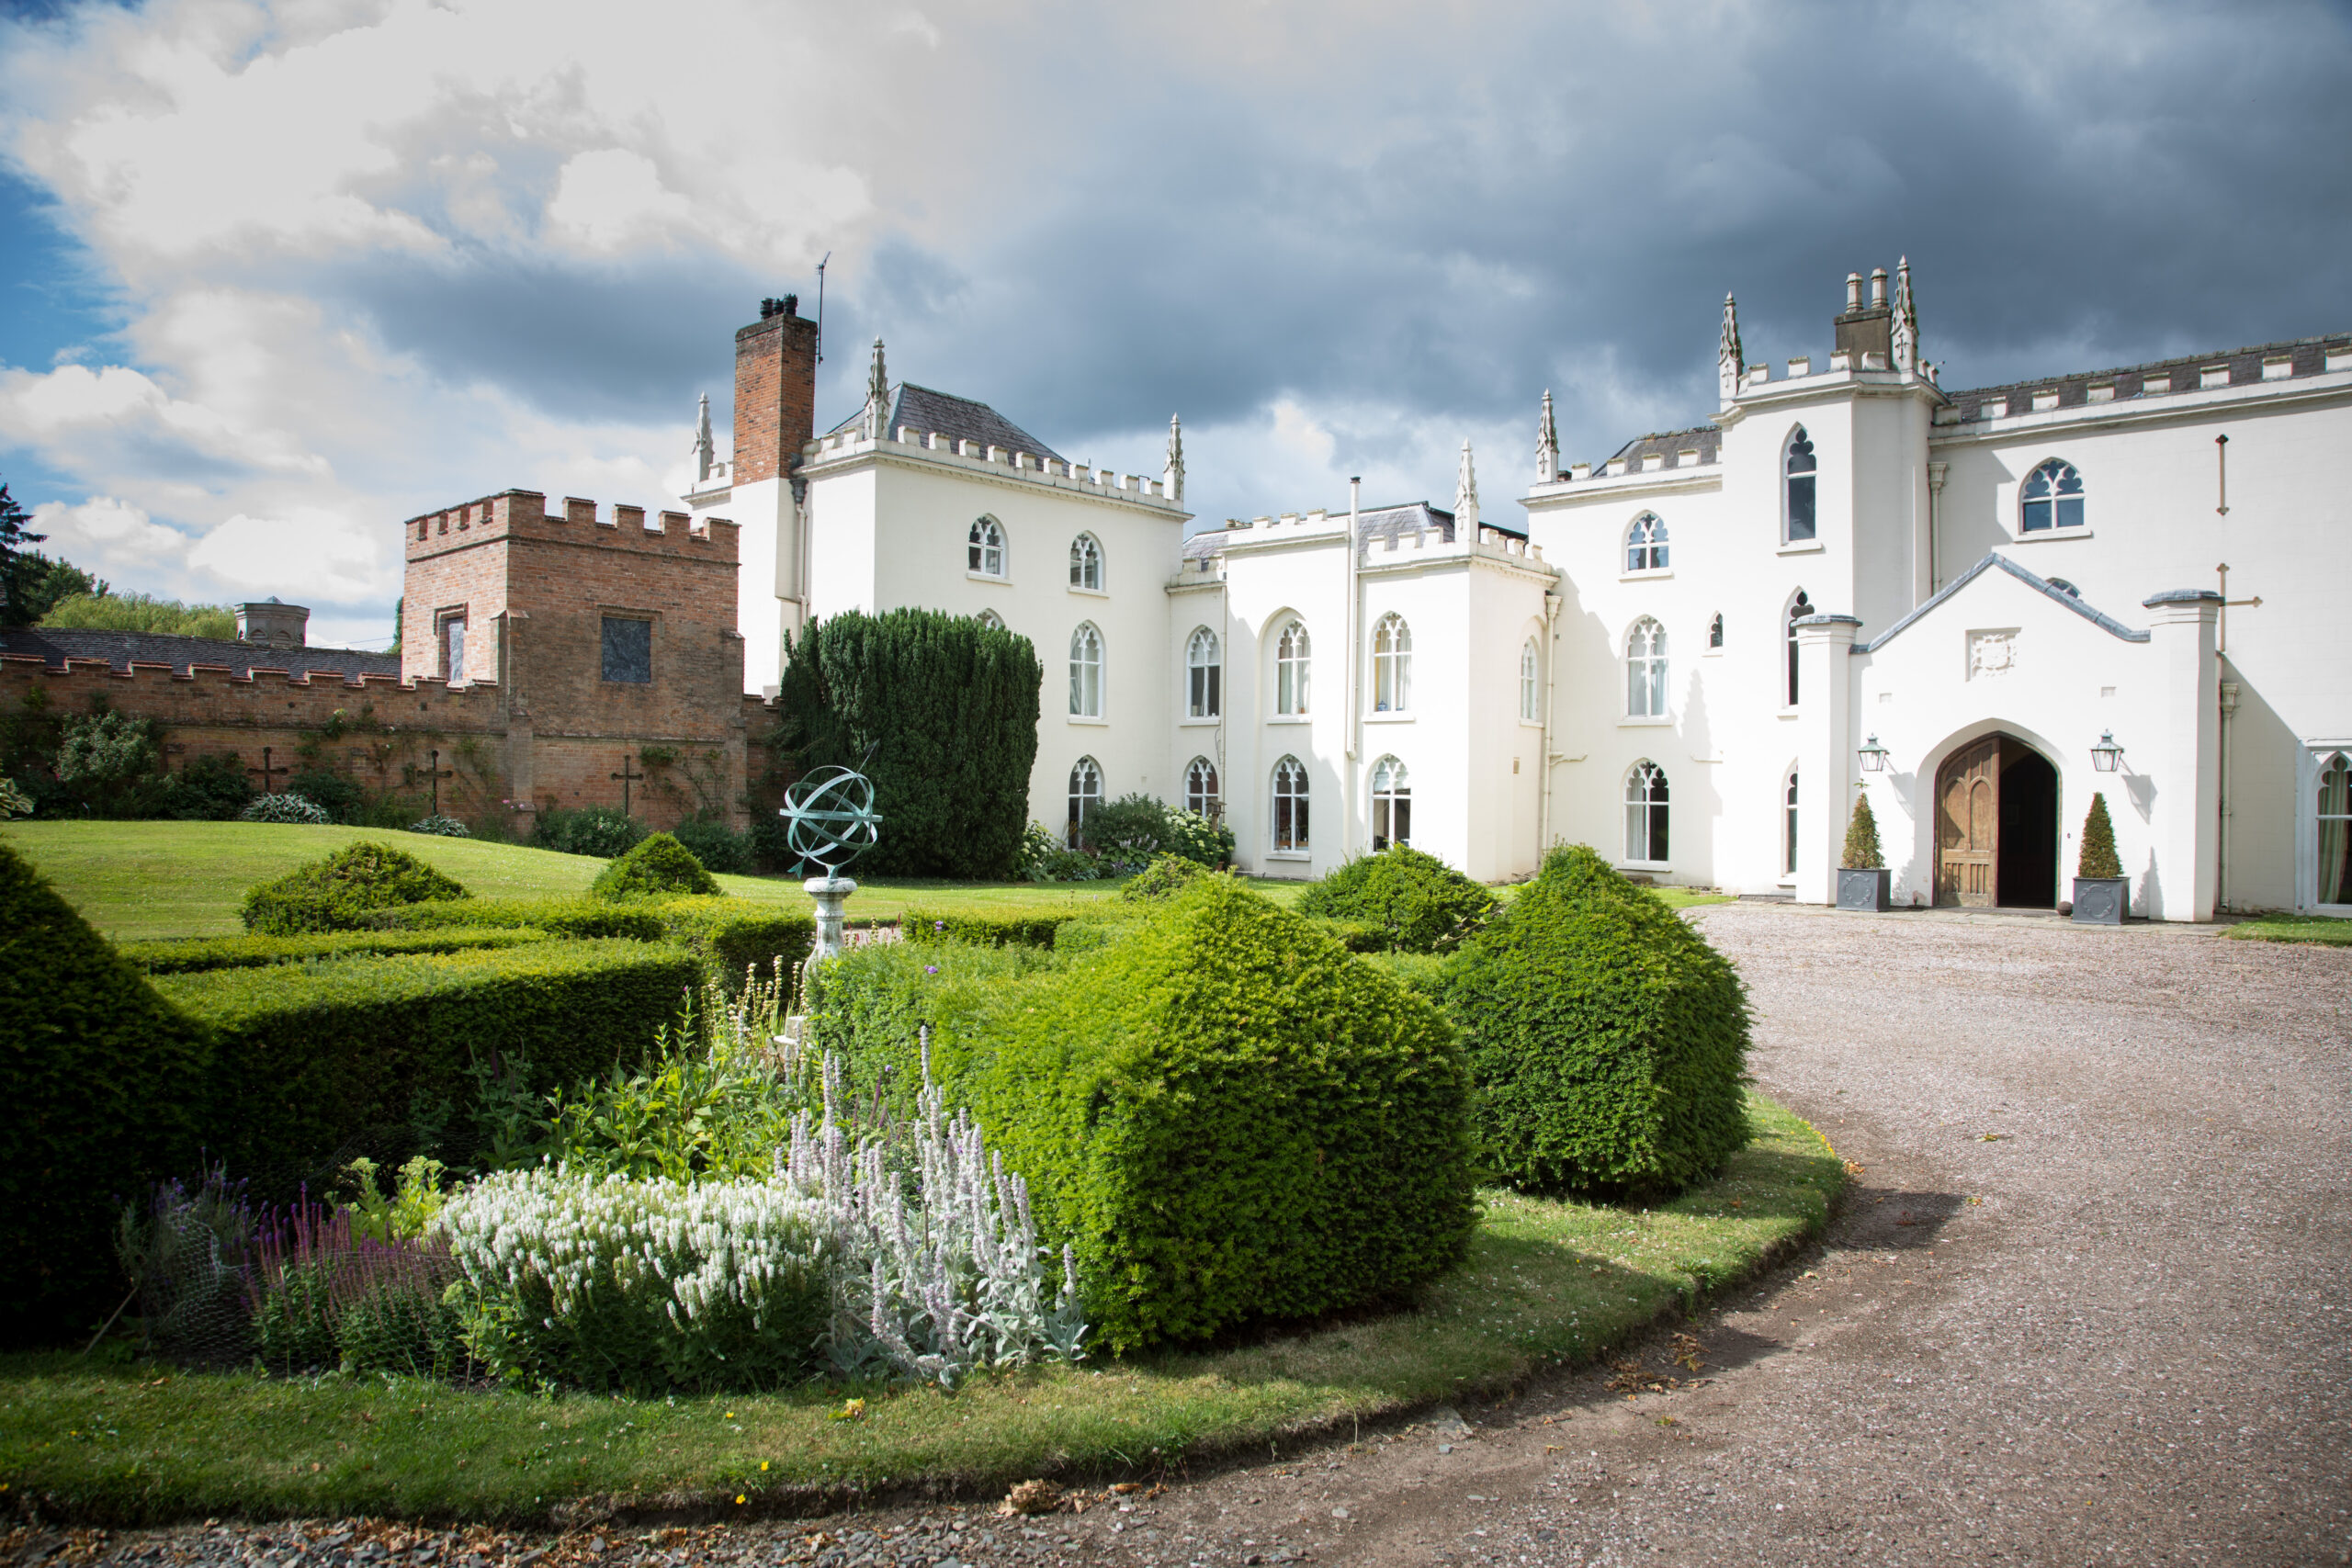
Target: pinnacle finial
<point>1730,357</point>
<point>1548,445</point>
<point>1173,475</point>
<point>1465,497</point>
<point>1905,342</point>
<point>877,396</point>
<point>706,450</point>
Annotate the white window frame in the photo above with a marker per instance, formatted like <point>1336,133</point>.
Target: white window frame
<point>1791,804</point>
<point>1645,816</point>
<point>987,550</point>
<point>990,619</point>
<point>1790,475</point>
<point>1086,671</point>
<point>1290,781</point>
<point>451,623</point>
<point>1085,787</point>
<point>1645,547</point>
<point>1204,674</point>
<point>1204,791</point>
<point>1645,670</point>
<point>1086,570</point>
<point>1531,684</point>
<point>1293,667</point>
<point>2057,468</point>
<point>1392,665</point>
<point>1392,804</point>
<point>1796,609</point>
<point>2312,767</point>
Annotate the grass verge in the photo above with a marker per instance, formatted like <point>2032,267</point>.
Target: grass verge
<point>2328,931</point>
<point>1547,1282</point>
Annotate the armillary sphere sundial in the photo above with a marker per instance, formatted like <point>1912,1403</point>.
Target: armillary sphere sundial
<point>830,821</point>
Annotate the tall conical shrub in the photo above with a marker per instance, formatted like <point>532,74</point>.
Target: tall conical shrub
<point>1862,852</point>
<point>2099,843</point>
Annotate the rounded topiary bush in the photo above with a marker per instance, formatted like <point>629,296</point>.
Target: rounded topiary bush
<point>1163,877</point>
<point>337,893</point>
<point>1414,902</point>
<point>283,808</point>
<point>658,864</point>
<point>1609,1042</point>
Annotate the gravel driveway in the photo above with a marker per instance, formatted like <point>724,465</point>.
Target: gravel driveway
<point>2087,1303</point>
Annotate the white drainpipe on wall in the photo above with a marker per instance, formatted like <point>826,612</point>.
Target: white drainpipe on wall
<point>1351,730</point>
<point>2222,800</point>
<point>1543,758</point>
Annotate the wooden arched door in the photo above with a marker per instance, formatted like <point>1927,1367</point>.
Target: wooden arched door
<point>1968,826</point>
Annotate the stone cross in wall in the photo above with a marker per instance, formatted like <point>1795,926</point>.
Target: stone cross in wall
<point>264,771</point>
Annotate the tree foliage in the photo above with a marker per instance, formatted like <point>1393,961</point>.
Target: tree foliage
<point>941,713</point>
<point>104,612</point>
<point>21,570</point>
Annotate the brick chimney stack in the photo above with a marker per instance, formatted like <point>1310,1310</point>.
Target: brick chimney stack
<point>775,391</point>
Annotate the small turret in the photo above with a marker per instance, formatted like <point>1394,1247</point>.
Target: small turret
<point>1465,498</point>
<point>1548,445</point>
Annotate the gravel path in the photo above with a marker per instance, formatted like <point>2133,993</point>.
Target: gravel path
<point>2088,1304</point>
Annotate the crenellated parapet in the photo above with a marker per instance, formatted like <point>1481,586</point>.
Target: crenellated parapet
<point>998,462</point>
<point>212,696</point>
<point>523,515</point>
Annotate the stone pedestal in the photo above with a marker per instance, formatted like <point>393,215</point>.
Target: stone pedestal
<point>829,892</point>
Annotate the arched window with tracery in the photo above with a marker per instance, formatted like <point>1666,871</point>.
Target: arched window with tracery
<point>1290,804</point>
<point>1531,687</point>
<point>1203,675</point>
<point>1646,836</point>
<point>990,619</point>
<point>1798,477</point>
<point>1789,829</point>
<point>1291,668</point>
<point>1085,799</point>
<point>2050,498</point>
<point>1392,804</point>
<point>1086,672</point>
<point>1392,665</point>
<point>1645,544</point>
<point>1716,631</point>
<point>1799,608</point>
<point>1201,791</point>
<point>1645,670</point>
<point>985,548</point>
<point>2333,835</point>
<point>1086,562</point>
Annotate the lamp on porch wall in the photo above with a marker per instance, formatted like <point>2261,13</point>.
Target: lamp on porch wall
<point>2106,754</point>
<point>1873,756</point>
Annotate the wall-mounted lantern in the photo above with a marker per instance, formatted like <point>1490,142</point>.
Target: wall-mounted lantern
<point>2106,754</point>
<point>1873,757</point>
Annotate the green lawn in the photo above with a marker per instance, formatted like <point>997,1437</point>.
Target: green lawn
<point>135,881</point>
<point>126,1442</point>
<point>2328,930</point>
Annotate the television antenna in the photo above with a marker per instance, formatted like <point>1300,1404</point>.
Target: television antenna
<point>820,308</point>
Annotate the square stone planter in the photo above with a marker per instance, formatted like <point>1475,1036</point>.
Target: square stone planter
<point>1863,891</point>
<point>2102,900</point>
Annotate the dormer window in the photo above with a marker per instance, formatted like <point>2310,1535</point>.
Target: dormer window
<point>2050,498</point>
<point>1798,477</point>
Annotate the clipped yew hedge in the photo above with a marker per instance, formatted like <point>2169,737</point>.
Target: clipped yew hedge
<point>100,1076</point>
<point>311,1060</point>
<point>657,866</point>
<point>188,955</point>
<point>1608,1039</point>
<point>572,918</point>
<point>1400,898</point>
<point>1227,1116</point>
<point>339,891</point>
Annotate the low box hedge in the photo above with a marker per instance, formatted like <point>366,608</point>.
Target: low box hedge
<point>576,918</point>
<point>193,955</point>
<point>1014,926</point>
<point>1227,1116</point>
<point>733,935</point>
<point>314,1063</point>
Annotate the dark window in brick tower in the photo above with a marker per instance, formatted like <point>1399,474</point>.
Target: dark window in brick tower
<point>629,650</point>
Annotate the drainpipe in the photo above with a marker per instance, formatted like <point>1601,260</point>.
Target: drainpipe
<point>1544,759</point>
<point>2222,800</point>
<point>1352,727</point>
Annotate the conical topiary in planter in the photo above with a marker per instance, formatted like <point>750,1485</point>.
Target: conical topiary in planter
<point>2102,893</point>
<point>1863,876</point>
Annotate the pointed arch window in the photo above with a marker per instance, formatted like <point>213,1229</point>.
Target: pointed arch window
<point>1203,675</point>
<point>2050,498</point>
<point>1290,804</point>
<point>1531,689</point>
<point>1789,829</point>
<point>1645,544</point>
<point>1086,562</point>
<point>1201,791</point>
<point>1716,631</point>
<point>1646,835</point>
<point>1799,608</point>
<point>1291,670</point>
<point>1085,799</point>
<point>2334,838</point>
<point>1392,665</point>
<point>1798,477</point>
<point>990,619</point>
<point>984,547</point>
<point>1086,672</point>
<point>1392,804</point>
<point>1646,670</point>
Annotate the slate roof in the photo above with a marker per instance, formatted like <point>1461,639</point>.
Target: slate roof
<point>2066,595</point>
<point>2308,357</point>
<point>1373,525</point>
<point>54,647</point>
<point>956,419</point>
<point>1707,438</point>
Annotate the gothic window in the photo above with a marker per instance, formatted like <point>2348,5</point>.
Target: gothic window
<point>1392,804</point>
<point>453,649</point>
<point>991,620</point>
<point>1085,799</point>
<point>1716,631</point>
<point>1530,694</point>
<point>1086,672</point>
<point>1645,544</point>
<point>1789,829</point>
<point>1291,670</point>
<point>985,548</point>
<point>1200,793</point>
<point>1392,665</point>
<point>629,649</point>
<point>1290,804</point>
<point>2050,498</point>
<point>1204,674</point>
<point>1798,468</point>
<point>1646,814</point>
<point>1646,670</point>
<point>1799,608</point>
<point>1086,562</point>
<point>2334,839</point>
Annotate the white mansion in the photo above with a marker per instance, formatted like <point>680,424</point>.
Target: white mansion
<point>1977,606</point>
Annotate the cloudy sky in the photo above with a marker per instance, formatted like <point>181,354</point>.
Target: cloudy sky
<point>279,274</point>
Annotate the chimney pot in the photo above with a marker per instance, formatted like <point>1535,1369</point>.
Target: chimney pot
<point>1878,285</point>
<point>1853,291</point>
